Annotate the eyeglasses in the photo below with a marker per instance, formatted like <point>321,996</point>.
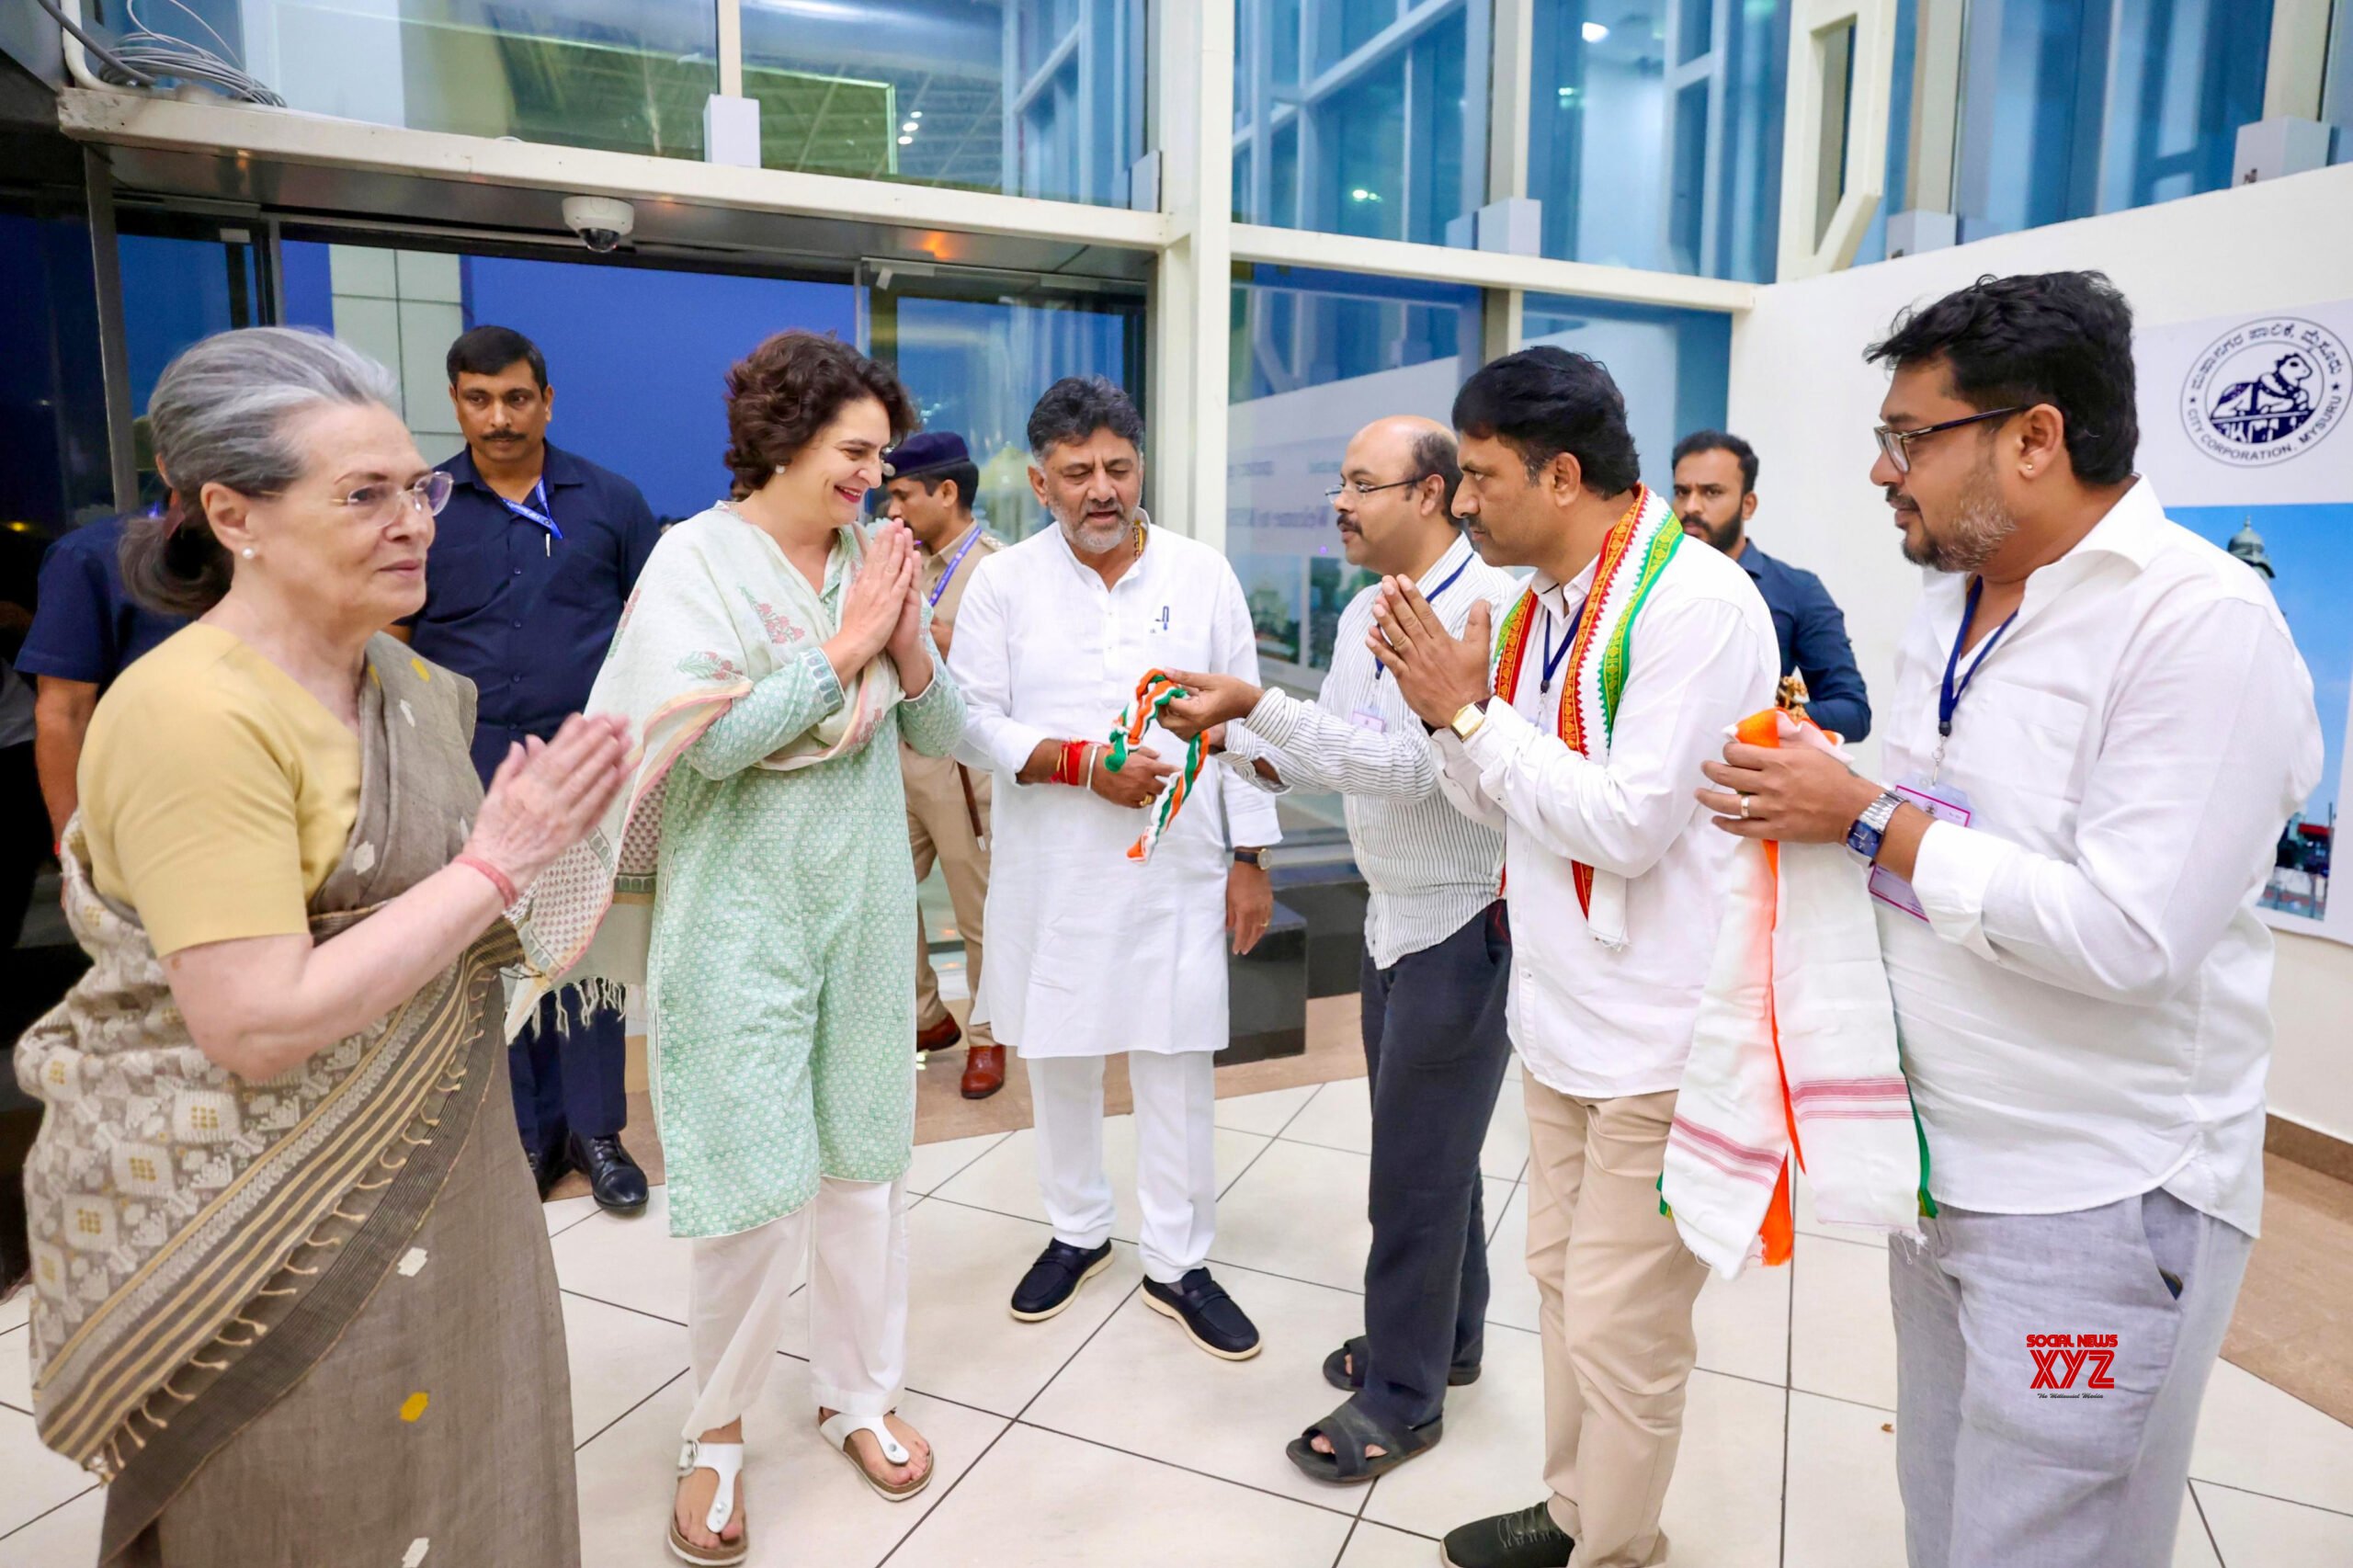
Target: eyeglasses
<point>1896,444</point>
<point>379,504</point>
<point>1350,487</point>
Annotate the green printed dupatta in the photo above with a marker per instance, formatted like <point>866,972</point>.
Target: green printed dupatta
<point>200,1242</point>
<point>717,609</point>
<point>1633,556</point>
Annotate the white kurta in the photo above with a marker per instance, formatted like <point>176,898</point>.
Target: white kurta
<point>1091,953</point>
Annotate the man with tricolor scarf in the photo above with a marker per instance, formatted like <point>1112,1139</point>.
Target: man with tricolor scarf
<point>1575,727</point>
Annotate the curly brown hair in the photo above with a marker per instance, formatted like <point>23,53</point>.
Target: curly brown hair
<point>790,388</point>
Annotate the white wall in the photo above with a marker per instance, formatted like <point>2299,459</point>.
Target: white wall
<point>1803,395</point>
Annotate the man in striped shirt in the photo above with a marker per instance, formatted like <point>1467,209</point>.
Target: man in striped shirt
<point>1438,955</point>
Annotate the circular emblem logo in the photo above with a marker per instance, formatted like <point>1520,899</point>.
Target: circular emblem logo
<point>2266,392</point>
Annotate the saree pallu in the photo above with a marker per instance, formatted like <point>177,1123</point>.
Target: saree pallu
<point>312,1319</point>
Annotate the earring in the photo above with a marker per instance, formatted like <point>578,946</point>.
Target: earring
<point>248,552</point>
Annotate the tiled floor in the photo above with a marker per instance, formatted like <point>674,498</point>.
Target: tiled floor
<point>1103,1437</point>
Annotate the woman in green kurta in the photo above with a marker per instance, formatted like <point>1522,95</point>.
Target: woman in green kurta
<point>774,654</point>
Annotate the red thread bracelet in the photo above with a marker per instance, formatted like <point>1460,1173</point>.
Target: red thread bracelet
<point>496,877</point>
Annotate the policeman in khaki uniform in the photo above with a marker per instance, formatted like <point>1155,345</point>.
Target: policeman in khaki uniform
<point>930,480</point>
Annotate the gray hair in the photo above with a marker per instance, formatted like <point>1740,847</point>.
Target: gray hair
<point>1075,407</point>
<point>221,414</point>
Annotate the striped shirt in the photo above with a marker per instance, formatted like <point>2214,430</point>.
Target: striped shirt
<point>1428,867</point>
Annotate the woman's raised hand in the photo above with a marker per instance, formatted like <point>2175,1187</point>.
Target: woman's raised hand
<point>547,795</point>
<point>875,602</point>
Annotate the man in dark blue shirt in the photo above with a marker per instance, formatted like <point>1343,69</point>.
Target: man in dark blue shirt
<point>1715,494</point>
<point>87,628</point>
<point>531,563</point>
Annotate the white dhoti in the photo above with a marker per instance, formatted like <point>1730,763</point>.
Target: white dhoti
<point>1175,1154</point>
<point>855,1235</point>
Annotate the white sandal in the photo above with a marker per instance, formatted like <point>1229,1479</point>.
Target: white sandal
<point>838,1430</point>
<point>724,1461</point>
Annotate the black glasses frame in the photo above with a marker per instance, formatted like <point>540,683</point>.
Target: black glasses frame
<point>1896,444</point>
<point>1344,485</point>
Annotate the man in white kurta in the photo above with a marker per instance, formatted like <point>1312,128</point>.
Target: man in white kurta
<point>1092,952</point>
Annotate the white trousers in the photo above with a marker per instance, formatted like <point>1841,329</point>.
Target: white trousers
<point>739,1291</point>
<point>1176,1099</point>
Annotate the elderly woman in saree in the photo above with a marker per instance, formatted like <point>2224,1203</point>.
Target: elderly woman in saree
<point>756,879</point>
<point>293,1296</point>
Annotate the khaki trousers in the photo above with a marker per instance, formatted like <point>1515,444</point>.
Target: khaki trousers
<point>1617,1288</point>
<point>939,828</point>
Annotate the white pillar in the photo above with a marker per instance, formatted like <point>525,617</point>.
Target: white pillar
<point>1191,304</point>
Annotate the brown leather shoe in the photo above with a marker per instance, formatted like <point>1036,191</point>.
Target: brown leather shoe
<point>983,1071</point>
<point>939,1037</point>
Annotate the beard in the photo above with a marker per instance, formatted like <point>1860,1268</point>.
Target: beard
<point>1724,536</point>
<point>1980,525</point>
<point>1092,536</point>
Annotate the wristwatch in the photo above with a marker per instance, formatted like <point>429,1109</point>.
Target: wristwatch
<point>1468,718</point>
<point>1251,857</point>
<point>1863,838</point>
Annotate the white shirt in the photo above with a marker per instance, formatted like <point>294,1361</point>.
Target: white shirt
<point>1427,868</point>
<point>1588,1020</point>
<point>1090,952</point>
<point>2086,1015</point>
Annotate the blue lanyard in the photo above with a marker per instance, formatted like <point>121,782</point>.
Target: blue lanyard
<point>1553,660</point>
<point>1949,696</point>
<point>945,577</point>
<point>540,513</point>
<point>1380,668</point>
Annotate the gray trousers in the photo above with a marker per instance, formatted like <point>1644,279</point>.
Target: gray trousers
<point>2048,1372</point>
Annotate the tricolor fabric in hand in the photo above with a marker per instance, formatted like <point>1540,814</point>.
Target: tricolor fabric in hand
<point>1155,691</point>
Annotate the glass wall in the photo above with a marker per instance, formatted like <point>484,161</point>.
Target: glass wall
<point>1655,138</point>
<point>1361,117</point>
<point>2070,107</point>
<point>1031,97</point>
<point>621,76</point>
<point>977,366</point>
<point>1317,355</point>
<point>1674,367</point>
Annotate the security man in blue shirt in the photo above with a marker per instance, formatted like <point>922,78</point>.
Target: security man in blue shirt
<point>87,628</point>
<point>1715,494</point>
<point>531,563</point>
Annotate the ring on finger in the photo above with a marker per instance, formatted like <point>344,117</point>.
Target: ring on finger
<point>1743,806</point>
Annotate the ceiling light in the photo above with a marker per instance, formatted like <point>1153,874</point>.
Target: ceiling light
<point>908,126</point>
<point>1362,194</point>
<point>915,114</point>
<point>906,140</point>
<point>1594,32</point>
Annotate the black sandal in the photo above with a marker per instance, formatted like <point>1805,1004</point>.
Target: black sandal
<point>1350,1432</point>
<point>1344,1369</point>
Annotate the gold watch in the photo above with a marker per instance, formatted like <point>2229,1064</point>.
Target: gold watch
<point>1467,720</point>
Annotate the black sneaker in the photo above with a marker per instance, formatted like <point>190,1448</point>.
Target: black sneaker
<point>1055,1278</point>
<point>1212,1318</point>
<point>1526,1540</point>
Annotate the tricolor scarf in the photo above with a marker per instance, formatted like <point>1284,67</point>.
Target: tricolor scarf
<point>1155,692</point>
<point>1794,1054</point>
<point>717,609</point>
<point>1634,557</point>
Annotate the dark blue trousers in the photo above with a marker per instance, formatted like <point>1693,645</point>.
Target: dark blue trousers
<point>1435,1050</point>
<point>566,1084</point>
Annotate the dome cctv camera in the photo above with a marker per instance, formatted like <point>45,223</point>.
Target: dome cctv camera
<point>601,223</point>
